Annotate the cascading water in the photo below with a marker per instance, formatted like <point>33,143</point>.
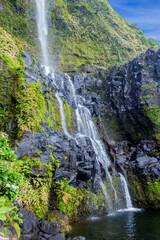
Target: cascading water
<point>86,127</point>
<point>42,28</point>
<point>126,192</point>
<point>63,120</point>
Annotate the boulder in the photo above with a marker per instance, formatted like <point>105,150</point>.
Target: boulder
<point>79,238</point>
<point>30,221</point>
<point>58,237</point>
<point>28,236</point>
<point>51,228</point>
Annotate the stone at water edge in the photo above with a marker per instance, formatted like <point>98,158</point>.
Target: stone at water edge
<point>28,237</point>
<point>79,238</point>
<point>49,227</point>
<point>58,237</point>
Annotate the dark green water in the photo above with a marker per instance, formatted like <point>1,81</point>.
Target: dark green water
<point>128,225</point>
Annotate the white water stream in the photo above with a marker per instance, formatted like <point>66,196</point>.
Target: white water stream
<point>126,191</point>
<point>63,119</point>
<point>42,28</point>
<point>86,127</point>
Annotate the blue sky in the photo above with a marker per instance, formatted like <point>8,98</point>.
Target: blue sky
<point>145,13</point>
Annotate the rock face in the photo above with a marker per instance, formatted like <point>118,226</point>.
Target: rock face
<point>131,127</point>
<point>124,103</point>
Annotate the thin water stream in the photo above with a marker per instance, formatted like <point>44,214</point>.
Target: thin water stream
<point>42,28</point>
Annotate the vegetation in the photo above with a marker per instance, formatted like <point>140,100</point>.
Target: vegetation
<point>153,112</point>
<point>84,32</point>
<point>22,103</point>
<point>17,18</point>
<point>93,33</point>
<point>66,198</point>
<point>76,203</point>
<point>9,186</point>
<point>27,180</point>
<point>35,185</point>
<point>69,117</point>
<point>153,192</point>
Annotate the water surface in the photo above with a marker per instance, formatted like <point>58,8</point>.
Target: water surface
<point>126,225</point>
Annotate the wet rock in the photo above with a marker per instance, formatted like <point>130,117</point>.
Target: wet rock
<point>28,236</point>
<point>8,234</point>
<point>26,57</point>
<point>49,227</point>
<point>58,237</point>
<point>146,161</point>
<point>79,238</point>
<point>44,235</point>
<point>30,221</point>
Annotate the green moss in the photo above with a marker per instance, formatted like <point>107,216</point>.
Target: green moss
<point>153,193</point>
<point>22,103</point>
<point>153,112</point>
<point>61,219</point>
<point>52,117</point>
<point>144,192</point>
<point>54,148</point>
<point>34,189</point>
<point>92,32</point>
<point>148,86</point>
<point>78,203</point>
<point>69,117</point>
<point>15,19</point>
<point>156,151</point>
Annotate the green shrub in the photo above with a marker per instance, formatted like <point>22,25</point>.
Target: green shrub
<point>9,178</point>
<point>66,198</point>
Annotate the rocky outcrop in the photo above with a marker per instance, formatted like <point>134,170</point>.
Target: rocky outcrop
<point>119,100</point>
<point>130,120</point>
<point>124,104</point>
<point>41,230</point>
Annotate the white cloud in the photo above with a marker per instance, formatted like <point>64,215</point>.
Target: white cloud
<point>142,12</point>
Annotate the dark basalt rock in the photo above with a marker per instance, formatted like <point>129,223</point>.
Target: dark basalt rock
<point>30,221</point>
<point>41,230</point>
<point>79,238</point>
<point>26,57</point>
<point>28,236</point>
<point>58,237</point>
<point>49,227</point>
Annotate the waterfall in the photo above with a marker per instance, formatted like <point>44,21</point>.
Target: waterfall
<point>63,119</point>
<point>42,29</point>
<point>86,127</point>
<point>126,191</point>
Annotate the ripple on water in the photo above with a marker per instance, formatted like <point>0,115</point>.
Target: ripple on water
<point>126,224</point>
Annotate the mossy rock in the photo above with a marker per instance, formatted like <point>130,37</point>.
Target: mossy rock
<point>62,219</point>
<point>14,230</point>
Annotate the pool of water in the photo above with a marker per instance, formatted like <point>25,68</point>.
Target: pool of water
<point>123,225</point>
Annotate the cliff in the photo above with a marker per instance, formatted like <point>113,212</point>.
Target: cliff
<point>56,168</point>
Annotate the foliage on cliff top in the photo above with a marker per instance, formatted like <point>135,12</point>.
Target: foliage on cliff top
<point>85,32</point>
<point>15,18</point>
<point>92,32</point>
